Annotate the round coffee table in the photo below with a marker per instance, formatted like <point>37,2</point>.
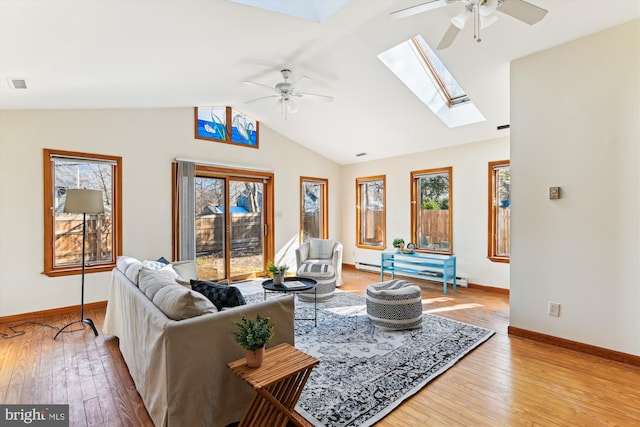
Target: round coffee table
<point>301,284</point>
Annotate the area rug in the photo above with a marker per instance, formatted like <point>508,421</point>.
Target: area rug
<point>364,373</point>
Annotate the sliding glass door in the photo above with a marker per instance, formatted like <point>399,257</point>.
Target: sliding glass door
<point>247,224</point>
<point>233,216</point>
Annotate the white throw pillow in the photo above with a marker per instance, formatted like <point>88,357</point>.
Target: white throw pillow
<point>320,248</point>
<point>178,302</point>
<point>187,270</point>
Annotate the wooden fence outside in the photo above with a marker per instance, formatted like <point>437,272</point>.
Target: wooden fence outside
<point>311,224</point>
<point>246,232</point>
<point>503,240</point>
<point>434,225</point>
<point>68,242</point>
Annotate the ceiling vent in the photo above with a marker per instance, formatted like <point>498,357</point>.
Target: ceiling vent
<point>17,83</point>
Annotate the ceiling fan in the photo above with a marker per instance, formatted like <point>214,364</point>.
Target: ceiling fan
<point>483,12</point>
<point>285,91</point>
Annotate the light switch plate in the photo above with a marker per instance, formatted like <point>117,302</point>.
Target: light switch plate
<point>554,193</point>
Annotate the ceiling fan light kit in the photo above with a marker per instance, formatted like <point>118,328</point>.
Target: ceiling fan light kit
<point>483,12</point>
<point>286,91</point>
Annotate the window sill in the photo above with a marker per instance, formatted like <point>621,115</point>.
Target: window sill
<point>69,271</point>
<point>505,260</point>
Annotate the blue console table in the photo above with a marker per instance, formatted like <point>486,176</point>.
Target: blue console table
<point>421,265</point>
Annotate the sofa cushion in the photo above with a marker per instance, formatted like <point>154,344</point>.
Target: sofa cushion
<point>151,281</point>
<point>178,302</point>
<point>220,295</point>
<point>130,267</point>
<point>187,270</point>
<point>321,248</point>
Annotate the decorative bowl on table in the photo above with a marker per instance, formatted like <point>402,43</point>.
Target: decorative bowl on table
<point>409,248</point>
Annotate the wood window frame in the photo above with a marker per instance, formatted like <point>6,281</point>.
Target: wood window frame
<point>492,228</point>
<point>325,205</point>
<point>415,196</point>
<point>359,240</point>
<point>49,182</point>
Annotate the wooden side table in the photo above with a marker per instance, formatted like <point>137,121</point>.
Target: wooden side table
<point>278,384</point>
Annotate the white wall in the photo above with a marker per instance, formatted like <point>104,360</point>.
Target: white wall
<point>575,123</point>
<point>148,141</point>
<point>470,210</point>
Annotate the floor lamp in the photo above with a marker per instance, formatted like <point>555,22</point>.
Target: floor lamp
<point>85,202</point>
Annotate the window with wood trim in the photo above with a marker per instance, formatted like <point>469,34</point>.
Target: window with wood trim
<point>314,210</point>
<point>371,212</point>
<point>499,211</point>
<point>65,170</point>
<point>432,210</point>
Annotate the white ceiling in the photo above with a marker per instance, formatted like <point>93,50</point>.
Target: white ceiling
<point>185,53</point>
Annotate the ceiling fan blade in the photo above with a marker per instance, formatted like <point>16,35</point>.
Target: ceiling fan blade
<point>424,7</point>
<point>247,82</point>
<point>448,38</point>
<point>325,98</point>
<point>300,78</point>
<point>261,98</point>
<point>522,10</point>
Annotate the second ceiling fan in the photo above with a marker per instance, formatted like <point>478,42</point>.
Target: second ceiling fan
<point>482,11</point>
<point>286,91</point>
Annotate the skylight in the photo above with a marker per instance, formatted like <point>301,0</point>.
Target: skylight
<point>420,69</point>
<point>312,10</point>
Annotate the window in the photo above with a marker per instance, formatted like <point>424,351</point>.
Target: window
<point>431,215</point>
<point>500,211</point>
<point>420,69</point>
<point>313,208</point>
<point>370,212</point>
<point>63,231</point>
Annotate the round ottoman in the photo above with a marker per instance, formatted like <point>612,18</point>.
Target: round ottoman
<point>394,305</point>
<point>321,273</point>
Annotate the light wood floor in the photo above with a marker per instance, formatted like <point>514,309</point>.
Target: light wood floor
<point>507,381</point>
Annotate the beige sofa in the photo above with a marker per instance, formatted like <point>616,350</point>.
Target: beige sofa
<point>179,367</point>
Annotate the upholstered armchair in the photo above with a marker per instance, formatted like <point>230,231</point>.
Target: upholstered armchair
<point>321,251</point>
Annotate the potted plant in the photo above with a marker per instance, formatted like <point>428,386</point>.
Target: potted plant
<point>398,243</point>
<point>253,335</point>
<point>277,272</point>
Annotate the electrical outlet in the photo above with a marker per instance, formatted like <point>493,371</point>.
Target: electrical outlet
<point>554,309</point>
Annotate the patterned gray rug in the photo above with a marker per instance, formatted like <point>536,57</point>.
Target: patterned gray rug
<point>364,373</point>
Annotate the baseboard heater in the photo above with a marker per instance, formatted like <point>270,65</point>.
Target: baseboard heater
<point>368,267</point>
<point>462,281</point>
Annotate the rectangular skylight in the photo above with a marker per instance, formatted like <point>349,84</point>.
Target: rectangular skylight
<point>420,69</point>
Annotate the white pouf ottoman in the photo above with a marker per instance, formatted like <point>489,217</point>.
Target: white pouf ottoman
<point>321,273</point>
<point>394,305</point>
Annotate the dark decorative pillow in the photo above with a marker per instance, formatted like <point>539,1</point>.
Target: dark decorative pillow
<point>163,260</point>
<point>220,295</point>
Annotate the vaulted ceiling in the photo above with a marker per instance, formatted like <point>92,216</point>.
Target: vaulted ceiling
<point>184,53</point>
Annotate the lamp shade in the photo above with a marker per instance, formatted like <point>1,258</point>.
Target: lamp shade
<point>80,200</point>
